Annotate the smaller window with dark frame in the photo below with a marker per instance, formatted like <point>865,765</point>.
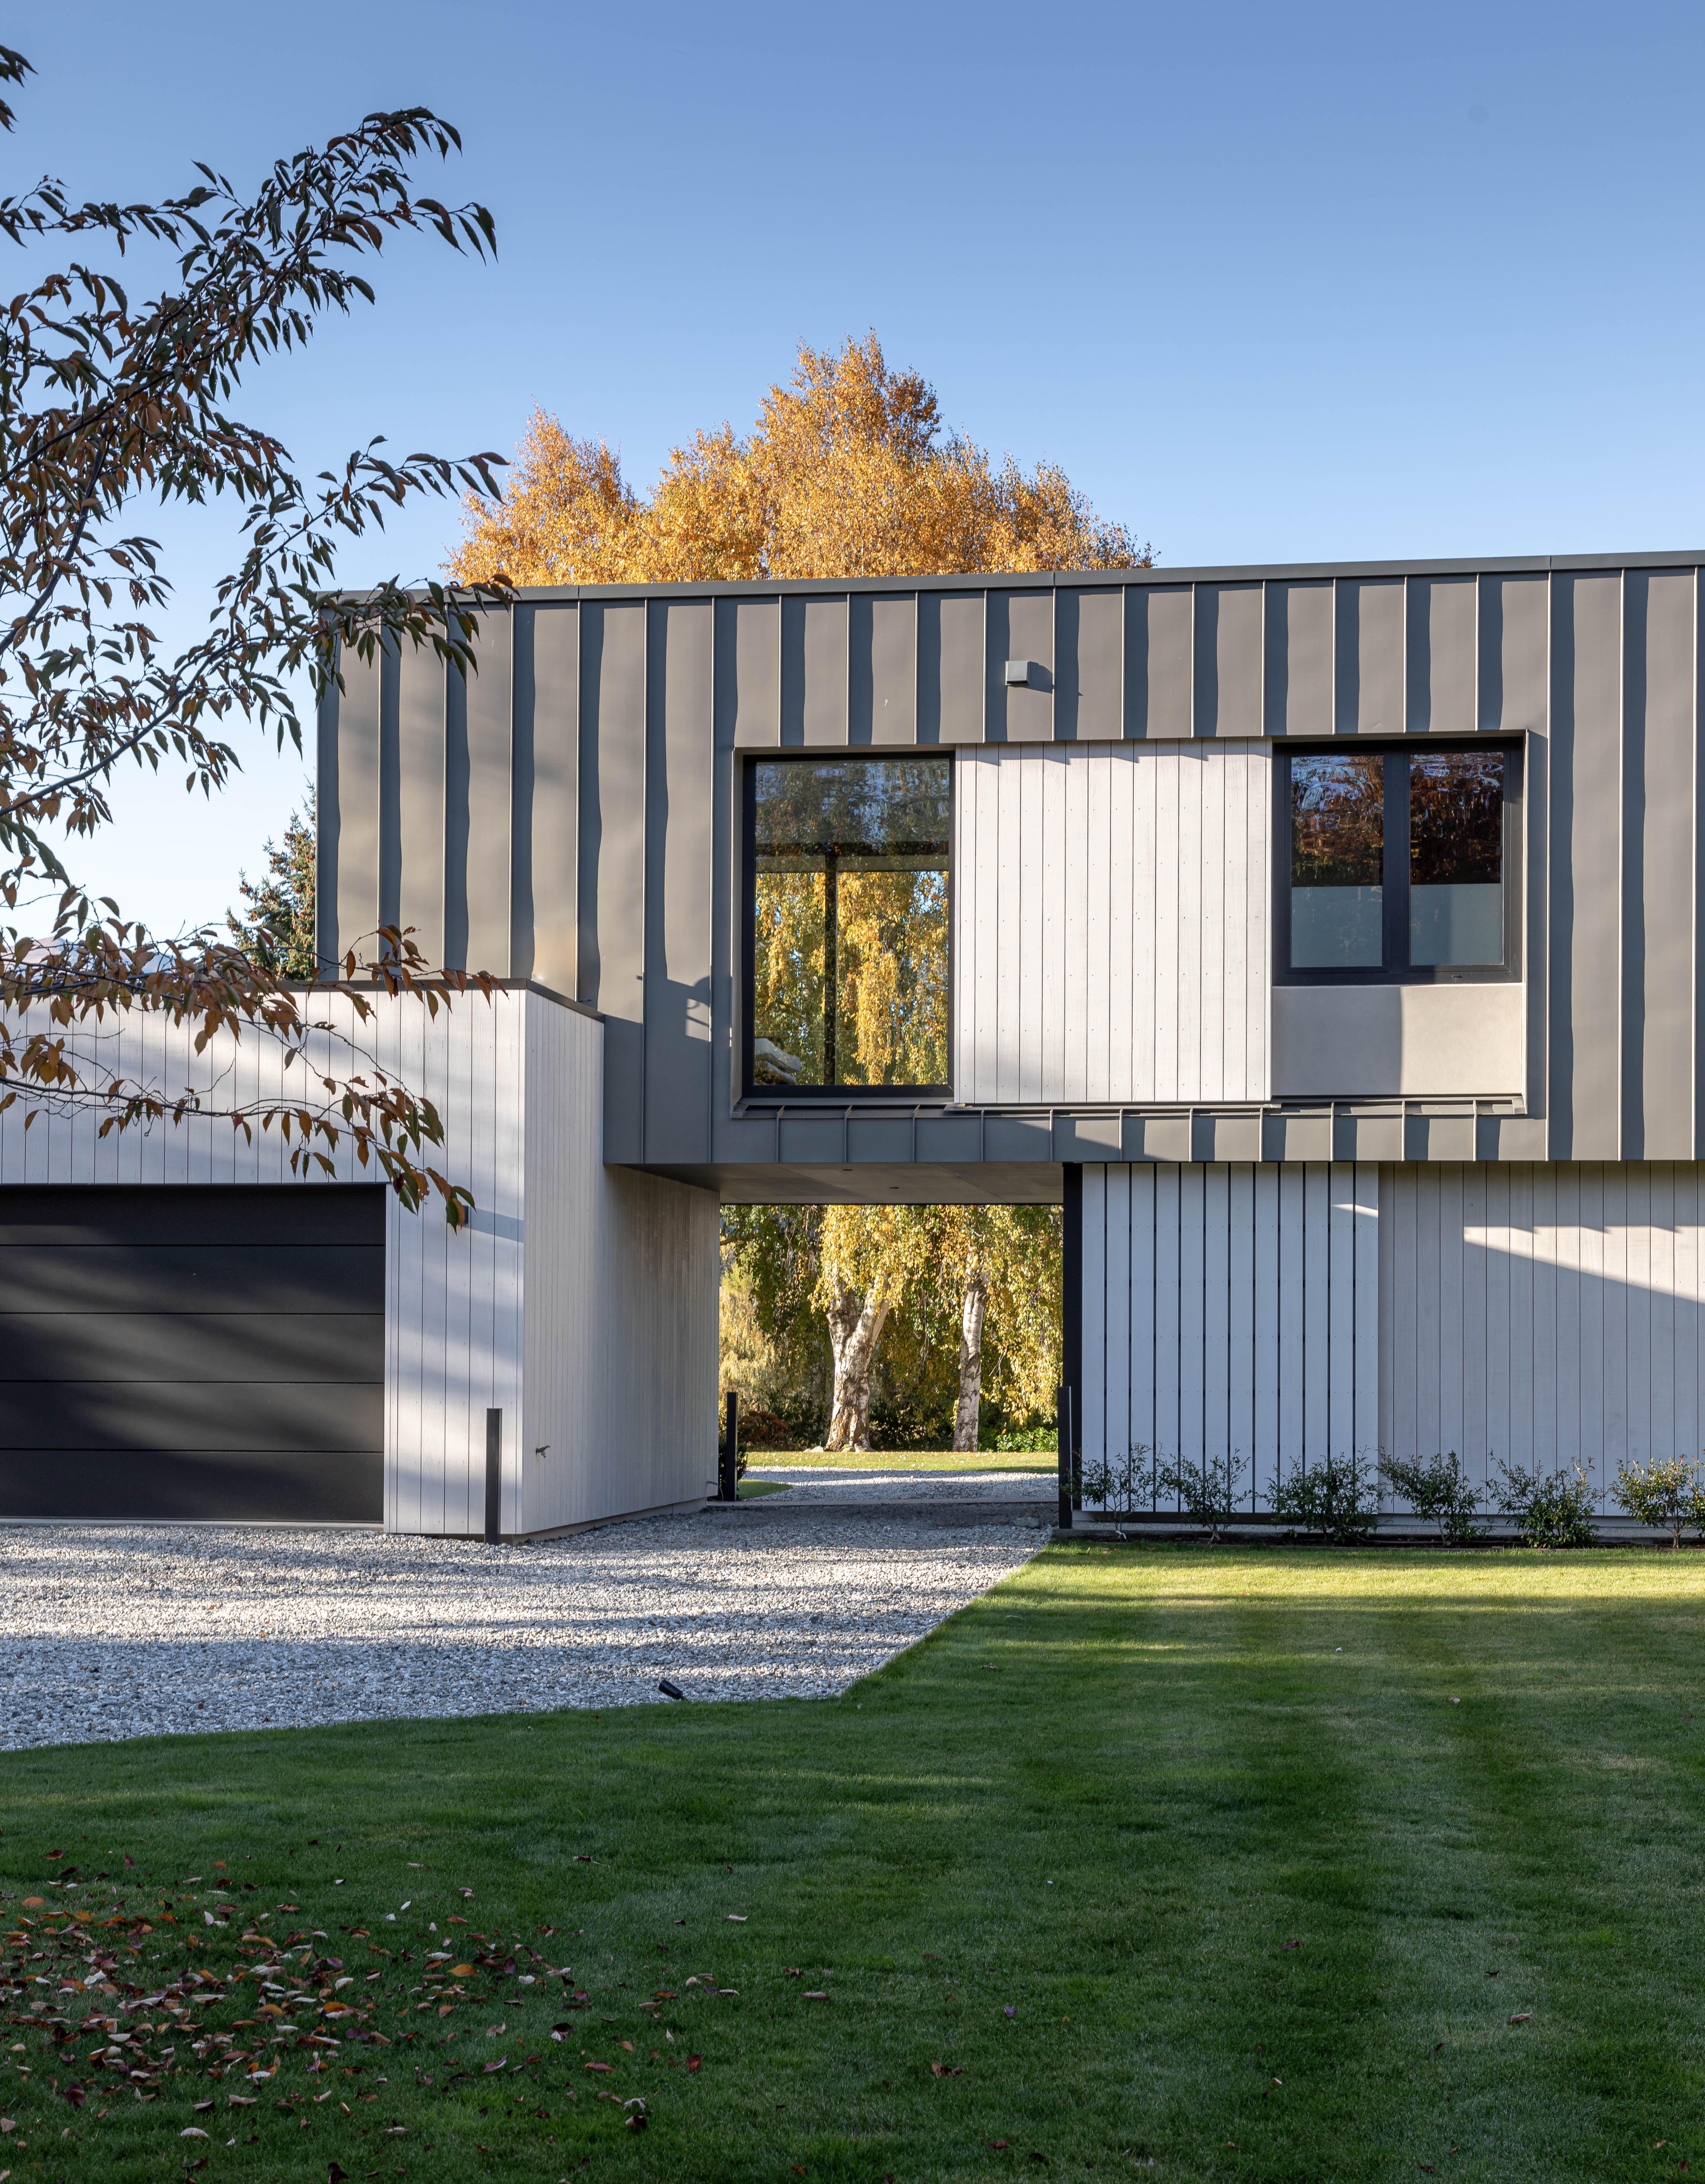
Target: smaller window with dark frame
<point>847,926</point>
<point>1398,864</point>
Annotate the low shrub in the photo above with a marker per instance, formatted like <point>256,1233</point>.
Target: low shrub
<point>1337,1500</point>
<point>1206,1491</point>
<point>1439,1491</point>
<point>1122,1482</point>
<point>1022,1440</point>
<point>761,1429</point>
<point>1551,1510</point>
<point>1667,1495</point>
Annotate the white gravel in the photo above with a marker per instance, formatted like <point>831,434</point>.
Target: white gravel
<point>111,1631</point>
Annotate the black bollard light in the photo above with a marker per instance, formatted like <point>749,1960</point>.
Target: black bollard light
<point>730,1449</point>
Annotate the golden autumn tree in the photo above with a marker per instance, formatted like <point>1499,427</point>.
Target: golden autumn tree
<point>848,470</point>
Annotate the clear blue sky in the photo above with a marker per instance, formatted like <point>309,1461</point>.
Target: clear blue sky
<point>1288,283</point>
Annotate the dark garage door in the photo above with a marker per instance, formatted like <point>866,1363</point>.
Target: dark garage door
<point>207,1351</point>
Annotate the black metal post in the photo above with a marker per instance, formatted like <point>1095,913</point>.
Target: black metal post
<point>1063,1437</point>
<point>494,1478</point>
<point>730,1449</point>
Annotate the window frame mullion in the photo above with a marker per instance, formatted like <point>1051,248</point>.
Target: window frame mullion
<point>1395,899</point>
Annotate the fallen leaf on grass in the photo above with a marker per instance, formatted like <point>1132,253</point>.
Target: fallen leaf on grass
<point>600,2066</point>
<point>502,2061</point>
<point>815,1994</point>
<point>202,2106</point>
<point>693,2062</point>
<point>737,1917</point>
<point>942,2070</point>
<point>1293,1945</point>
<point>1521,2017</point>
<point>194,2131</point>
<point>997,2145</point>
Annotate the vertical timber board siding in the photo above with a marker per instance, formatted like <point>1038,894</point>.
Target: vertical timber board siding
<point>1228,659</point>
<point>554,831</point>
<point>1660,974</point>
<point>1545,1314</point>
<point>356,801</point>
<point>1089,666</point>
<point>1196,1342</point>
<point>678,891</point>
<point>1369,673</point>
<point>613,862</point>
<point>756,674</point>
<point>1111,924</point>
<point>420,797</point>
<point>1160,656</point>
<point>490,718</point>
<point>620,1290</point>
<point>1586,853</point>
<point>1297,692</point>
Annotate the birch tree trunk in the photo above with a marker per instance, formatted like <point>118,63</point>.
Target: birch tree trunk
<point>975,1303</point>
<point>855,1328</point>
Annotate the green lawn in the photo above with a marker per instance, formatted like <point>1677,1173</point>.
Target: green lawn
<point>764,1459</point>
<point>1261,1900</point>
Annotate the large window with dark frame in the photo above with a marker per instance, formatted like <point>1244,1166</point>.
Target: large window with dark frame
<point>1398,864</point>
<point>847,926</point>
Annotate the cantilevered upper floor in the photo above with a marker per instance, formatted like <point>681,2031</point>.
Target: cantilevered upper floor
<point>986,874</point>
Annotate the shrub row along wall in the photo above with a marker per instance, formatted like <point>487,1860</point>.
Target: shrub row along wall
<point>1541,1315</point>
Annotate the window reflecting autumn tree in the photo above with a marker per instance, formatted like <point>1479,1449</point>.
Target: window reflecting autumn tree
<point>849,912</point>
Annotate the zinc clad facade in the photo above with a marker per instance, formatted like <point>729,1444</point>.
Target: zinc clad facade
<point>611,725</point>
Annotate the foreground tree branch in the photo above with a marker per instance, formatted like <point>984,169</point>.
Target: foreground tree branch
<point>103,403</point>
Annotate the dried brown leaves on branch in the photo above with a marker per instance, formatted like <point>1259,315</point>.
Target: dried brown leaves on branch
<point>103,403</point>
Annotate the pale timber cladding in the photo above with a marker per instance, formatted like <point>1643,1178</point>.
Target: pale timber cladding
<point>1541,1314</point>
<point>1110,926</point>
<point>1231,1314</point>
<point>570,815</point>
<point>1544,1314</point>
<point>582,1304</point>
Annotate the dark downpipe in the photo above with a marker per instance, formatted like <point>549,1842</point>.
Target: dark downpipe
<point>730,1449</point>
<point>1064,1436</point>
<point>1071,1345</point>
<point>494,1478</point>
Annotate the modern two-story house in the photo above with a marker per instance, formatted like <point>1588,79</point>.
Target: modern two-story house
<point>1328,939</point>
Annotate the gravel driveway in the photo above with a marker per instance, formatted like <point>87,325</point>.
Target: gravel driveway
<point>821,1482</point>
<point>111,1631</point>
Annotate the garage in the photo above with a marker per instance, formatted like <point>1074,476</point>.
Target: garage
<point>205,1351</point>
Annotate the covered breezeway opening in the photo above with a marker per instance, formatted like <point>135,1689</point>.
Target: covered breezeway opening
<point>206,1352</point>
<point>963,1294</point>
